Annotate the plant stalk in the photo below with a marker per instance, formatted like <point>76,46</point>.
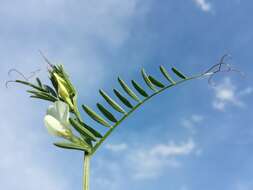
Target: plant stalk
<point>86,171</point>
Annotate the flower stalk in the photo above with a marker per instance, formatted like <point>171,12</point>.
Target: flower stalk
<point>86,171</point>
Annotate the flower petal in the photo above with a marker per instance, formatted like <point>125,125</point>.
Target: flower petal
<point>63,111</point>
<point>54,127</point>
<point>52,111</point>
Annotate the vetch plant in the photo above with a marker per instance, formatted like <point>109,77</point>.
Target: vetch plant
<point>63,116</point>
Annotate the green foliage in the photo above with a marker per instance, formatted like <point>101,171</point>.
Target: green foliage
<point>156,82</point>
<point>72,146</point>
<point>111,102</point>
<point>139,89</point>
<point>106,113</point>
<point>95,116</point>
<point>91,138</point>
<point>178,73</point>
<point>123,99</point>
<point>128,90</point>
<point>166,75</point>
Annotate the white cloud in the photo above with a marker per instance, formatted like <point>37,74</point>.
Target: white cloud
<point>116,147</point>
<point>226,93</point>
<point>149,163</point>
<point>72,36</point>
<point>204,5</point>
<point>139,163</point>
<point>63,31</point>
<point>192,121</point>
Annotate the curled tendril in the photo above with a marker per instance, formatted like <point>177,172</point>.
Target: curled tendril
<point>26,78</point>
<point>32,74</point>
<point>222,66</point>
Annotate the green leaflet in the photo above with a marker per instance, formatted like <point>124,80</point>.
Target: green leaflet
<point>156,82</point>
<point>122,98</point>
<point>110,101</point>
<point>31,85</point>
<point>43,98</point>
<point>93,131</point>
<point>128,90</point>
<point>106,113</point>
<point>72,146</point>
<point>178,73</point>
<point>95,116</point>
<point>146,79</point>
<point>82,130</point>
<point>42,95</point>
<point>166,74</point>
<point>139,88</point>
<point>39,82</point>
<point>50,90</point>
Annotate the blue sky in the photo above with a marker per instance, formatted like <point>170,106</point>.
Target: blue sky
<point>192,137</point>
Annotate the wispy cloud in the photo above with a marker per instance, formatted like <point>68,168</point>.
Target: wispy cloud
<point>140,163</point>
<point>192,121</point>
<point>157,158</point>
<point>204,5</point>
<point>116,147</point>
<point>226,93</point>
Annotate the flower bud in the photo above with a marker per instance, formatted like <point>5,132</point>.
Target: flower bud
<point>62,86</point>
<point>61,81</point>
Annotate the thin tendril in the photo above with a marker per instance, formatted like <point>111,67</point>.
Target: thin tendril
<point>222,66</point>
<point>33,73</point>
<point>9,81</point>
<point>18,72</point>
<point>46,59</point>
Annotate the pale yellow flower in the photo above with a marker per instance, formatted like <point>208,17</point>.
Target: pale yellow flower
<point>57,120</point>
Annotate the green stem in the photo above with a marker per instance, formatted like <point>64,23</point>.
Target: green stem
<point>86,171</point>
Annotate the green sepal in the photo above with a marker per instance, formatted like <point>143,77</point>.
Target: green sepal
<point>139,89</point>
<point>156,82</point>
<point>95,116</point>
<point>110,101</point>
<point>122,98</point>
<point>106,113</point>
<point>178,73</point>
